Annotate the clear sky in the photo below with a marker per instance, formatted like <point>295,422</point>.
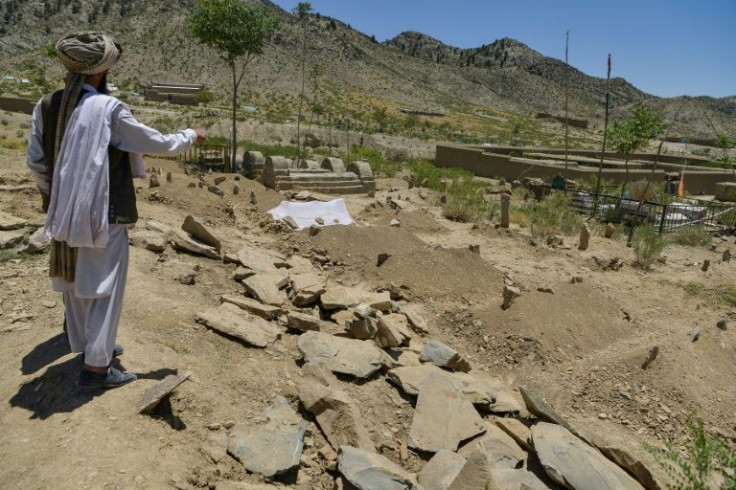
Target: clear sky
<point>663,47</point>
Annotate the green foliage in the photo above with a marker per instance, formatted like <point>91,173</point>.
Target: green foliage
<point>205,97</point>
<point>631,135</point>
<point>288,151</point>
<point>380,166</point>
<point>721,295</point>
<point>553,215</point>
<point>707,458</point>
<point>648,246</point>
<point>691,236</point>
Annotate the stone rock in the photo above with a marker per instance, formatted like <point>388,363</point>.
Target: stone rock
<point>444,356</point>
<point>505,215</point>
<point>370,471</point>
<point>236,189</point>
<point>9,239</point>
<point>307,289</point>
<point>441,470</point>
<point>500,449</point>
<point>267,312</point>
<point>37,242</point>
<point>571,462</point>
<point>259,260</point>
<point>393,331</point>
<point>415,314</point>
<point>169,177</point>
<point>264,287</point>
<point>215,190</point>
<point>519,432</point>
<point>153,395</point>
<point>219,180</point>
<point>610,230</point>
<point>509,479</point>
<point>253,199</point>
<point>625,460</point>
<point>584,237</point>
<point>706,265</point>
<point>443,418</point>
<point>726,257</point>
<point>291,222</point>
<point>694,335</point>
<point>149,240</point>
<point>9,222</point>
<point>303,322</point>
<point>187,279</point>
<point>241,273</point>
<point>336,413</point>
<point>651,356</point>
<point>363,328</point>
<point>395,223</point>
<point>343,317</point>
<point>153,181</point>
<point>474,475</point>
<point>185,244</point>
<point>271,449</point>
<point>241,485</point>
<point>510,293</point>
<point>340,297</point>
<point>382,257</point>
<point>541,409</point>
<point>722,323</point>
<point>359,358</point>
<point>232,321</point>
<point>194,226</point>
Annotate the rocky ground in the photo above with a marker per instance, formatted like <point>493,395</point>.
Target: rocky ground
<point>304,364</point>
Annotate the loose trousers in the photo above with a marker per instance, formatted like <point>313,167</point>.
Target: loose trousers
<point>93,302</point>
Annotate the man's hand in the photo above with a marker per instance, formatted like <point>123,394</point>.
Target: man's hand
<point>201,135</point>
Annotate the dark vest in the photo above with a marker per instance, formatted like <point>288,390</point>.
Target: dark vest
<point>122,209</point>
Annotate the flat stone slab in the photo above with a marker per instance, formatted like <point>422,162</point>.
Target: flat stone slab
<point>542,409</point>
<point>340,298</point>
<point>519,432</point>
<point>307,288</point>
<point>441,470</point>
<point>153,395</point>
<point>9,239</point>
<point>183,243</point>
<point>273,448</point>
<point>628,462</point>
<point>149,240</point>
<point>253,306</point>
<point>443,355</point>
<point>303,322</point>
<point>359,358</point>
<point>443,417</point>
<point>265,288</point>
<point>10,222</point>
<point>393,331</point>
<point>259,260</point>
<point>231,320</point>
<point>480,473</point>
<point>500,449</point>
<point>520,479</point>
<point>416,316</point>
<point>370,471</point>
<point>197,229</point>
<point>573,463</point>
<point>336,413</point>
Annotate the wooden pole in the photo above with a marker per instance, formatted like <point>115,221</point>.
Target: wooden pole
<point>567,98</point>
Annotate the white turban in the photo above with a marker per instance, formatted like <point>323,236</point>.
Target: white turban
<point>88,53</point>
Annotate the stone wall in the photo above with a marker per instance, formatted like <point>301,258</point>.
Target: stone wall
<point>16,104</point>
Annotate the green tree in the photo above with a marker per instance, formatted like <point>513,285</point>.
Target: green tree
<point>238,31</point>
<point>725,143</point>
<point>205,97</point>
<point>631,135</point>
<point>302,11</point>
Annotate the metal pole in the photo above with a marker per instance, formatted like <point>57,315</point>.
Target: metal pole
<point>605,132</point>
<point>567,98</point>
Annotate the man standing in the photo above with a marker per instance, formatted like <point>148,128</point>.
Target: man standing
<point>85,148</point>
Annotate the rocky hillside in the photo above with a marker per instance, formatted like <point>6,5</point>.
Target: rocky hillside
<point>412,69</point>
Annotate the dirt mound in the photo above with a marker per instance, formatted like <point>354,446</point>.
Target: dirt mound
<point>420,222</point>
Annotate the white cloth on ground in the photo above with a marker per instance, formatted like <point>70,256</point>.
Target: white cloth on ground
<point>305,213</point>
<point>94,302</point>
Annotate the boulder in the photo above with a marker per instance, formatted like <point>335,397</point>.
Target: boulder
<point>370,471</point>
<point>196,228</point>
<point>273,448</point>
<point>307,288</point>
<point>571,462</point>
<point>303,322</point>
<point>183,243</point>
<point>267,312</point>
<point>444,356</point>
<point>336,413</point>
<point>153,395</point>
<point>584,237</point>
<point>9,222</point>
<point>231,320</point>
<point>500,449</point>
<point>416,316</point>
<point>443,417</point>
<point>392,331</point>
<point>441,470</point>
<point>359,358</point>
<point>265,288</point>
<point>340,298</point>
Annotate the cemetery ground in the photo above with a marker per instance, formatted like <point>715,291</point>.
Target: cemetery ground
<point>575,333</point>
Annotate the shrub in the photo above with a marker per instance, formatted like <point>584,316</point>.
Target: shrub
<point>707,457</point>
<point>691,236</point>
<point>551,216</point>
<point>648,246</point>
<point>723,294</point>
